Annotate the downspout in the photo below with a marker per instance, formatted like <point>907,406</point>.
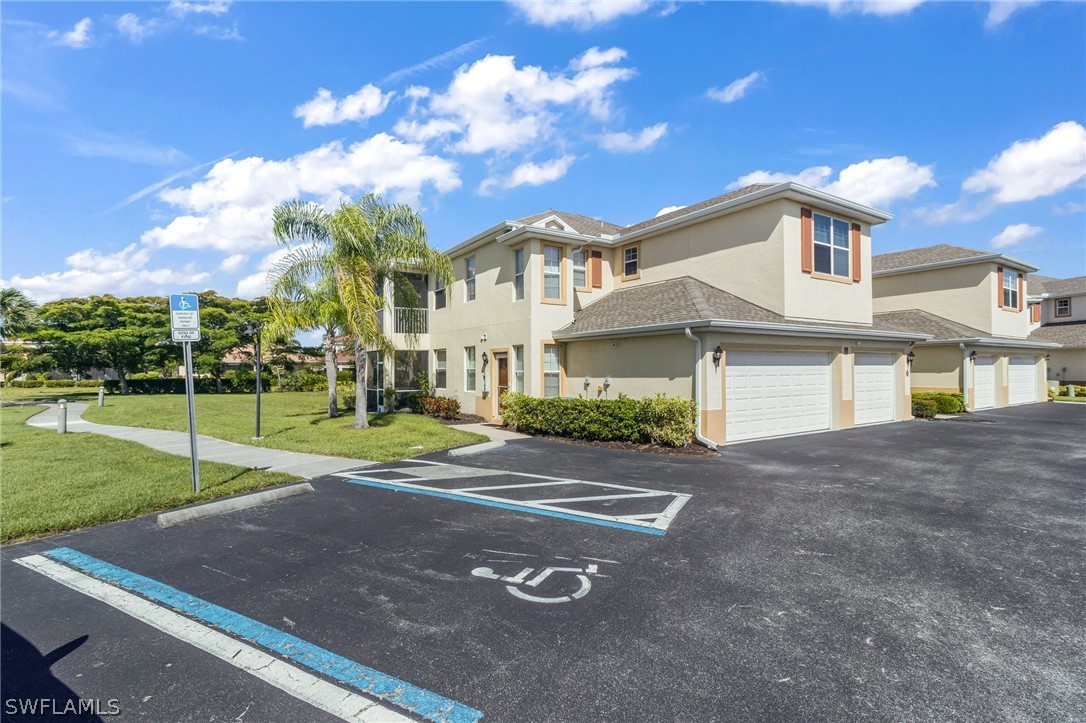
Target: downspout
<point>697,391</point>
<point>966,379</point>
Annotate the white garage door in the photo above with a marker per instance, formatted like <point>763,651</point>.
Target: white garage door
<point>984,382</point>
<point>773,393</point>
<point>1023,381</point>
<point>874,388</point>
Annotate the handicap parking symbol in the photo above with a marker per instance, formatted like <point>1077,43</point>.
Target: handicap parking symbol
<point>527,579</point>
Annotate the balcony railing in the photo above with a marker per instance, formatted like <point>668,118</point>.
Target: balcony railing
<point>411,321</point>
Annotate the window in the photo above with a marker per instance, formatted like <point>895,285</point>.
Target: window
<point>552,272</point>
<point>518,275</point>
<point>1010,289</point>
<point>831,246</point>
<point>1063,307</point>
<point>580,272</point>
<point>440,381</point>
<point>469,279</point>
<point>439,294</point>
<point>630,262</point>
<point>552,370</point>
<point>518,369</point>
<point>469,368</point>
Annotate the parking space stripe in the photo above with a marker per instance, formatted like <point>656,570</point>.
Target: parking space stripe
<point>394,691</point>
<point>302,685</point>
<point>529,507</point>
<point>600,498</point>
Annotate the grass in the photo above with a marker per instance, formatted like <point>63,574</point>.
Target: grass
<point>295,421</point>
<point>48,394</point>
<point>53,483</point>
<point>1071,399</point>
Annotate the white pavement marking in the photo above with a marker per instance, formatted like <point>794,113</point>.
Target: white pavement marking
<point>302,685</point>
<point>598,498</point>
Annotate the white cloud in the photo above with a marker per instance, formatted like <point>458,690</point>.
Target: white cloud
<point>123,273</point>
<point>77,37</point>
<point>1069,209</point>
<point>230,208</point>
<point>1034,168</point>
<point>256,284</point>
<point>492,105</point>
<point>630,143</point>
<point>233,263</point>
<point>865,7</point>
<point>999,12</point>
<point>1014,235</point>
<point>130,26</point>
<point>434,62</point>
<point>325,110</point>
<point>736,89</point>
<point>530,174</point>
<point>181,8</point>
<point>581,14</point>
<point>96,144</point>
<point>876,182</point>
<point>668,209</point>
<point>219,32</point>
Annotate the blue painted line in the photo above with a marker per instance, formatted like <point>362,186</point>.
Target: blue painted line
<point>505,506</point>
<point>423,703</point>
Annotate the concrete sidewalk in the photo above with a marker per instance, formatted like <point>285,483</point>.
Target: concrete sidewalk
<point>208,448</point>
<point>492,431</point>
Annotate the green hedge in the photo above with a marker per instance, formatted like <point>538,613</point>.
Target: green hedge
<point>54,383</point>
<point>945,402</point>
<point>653,420</point>
<point>1065,391</point>
<point>924,408</point>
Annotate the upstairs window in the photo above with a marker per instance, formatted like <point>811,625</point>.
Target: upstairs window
<point>1063,307</point>
<point>580,270</point>
<point>518,275</point>
<point>469,278</point>
<point>439,293</point>
<point>831,246</point>
<point>631,262</point>
<point>552,272</point>
<point>1010,289</point>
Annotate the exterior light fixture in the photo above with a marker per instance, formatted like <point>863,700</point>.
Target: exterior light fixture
<point>910,357</point>
<point>718,354</point>
<point>1048,357</point>
<point>973,355</point>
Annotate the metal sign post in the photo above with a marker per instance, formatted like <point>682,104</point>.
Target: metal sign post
<point>185,328</point>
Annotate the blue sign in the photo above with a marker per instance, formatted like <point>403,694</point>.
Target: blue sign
<point>185,317</point>
<point>184,302</point>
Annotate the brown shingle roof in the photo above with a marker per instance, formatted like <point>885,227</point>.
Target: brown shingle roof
<point>678,301</point>
<point>1068,333</point>
<point>1037,284</point>
<point>925,255</point>
<point>745,191</point>
<point>581,224</point>
<point>924,322</point>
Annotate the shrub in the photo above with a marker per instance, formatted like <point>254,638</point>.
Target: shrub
<point>345,394</point>
<point>444,407</point>
<point>945,402</point>
<point>924,408</point>
<point>345,375</point>
<point>304,381</point>
<point>54,383</point>
<point>390,399</point>
<point>655,420</point>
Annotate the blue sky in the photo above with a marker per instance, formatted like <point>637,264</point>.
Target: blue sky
<point>145,144</point>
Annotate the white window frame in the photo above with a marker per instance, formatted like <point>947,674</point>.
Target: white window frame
<point>441,299</point>
<point>843,273</point>
<point>518,369</point>
<point>440,369</point>
<point>469,369</point>
<point>557,272</point>
<point>469,278</point>
<point>1067,311</point>
<point>519,267</point>
<point>555,373</point>
<point>628,258</point>
<point>1010,289</point>
<point>579,260</point>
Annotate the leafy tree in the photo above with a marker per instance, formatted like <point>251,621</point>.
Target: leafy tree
<point>222,324</point>
<point>17,312</point>
<point>357,245</point>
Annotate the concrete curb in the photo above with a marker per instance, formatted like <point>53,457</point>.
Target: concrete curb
<point>476,448</point>
<point>233,504</point>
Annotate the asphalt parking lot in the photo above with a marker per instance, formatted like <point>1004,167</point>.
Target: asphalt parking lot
<point>913,571</point>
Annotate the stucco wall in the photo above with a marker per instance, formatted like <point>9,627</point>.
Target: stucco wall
<point>937,368</point>
<point>1078,309</point>
<point>1074,360</point>
<point>962,293</point>
<point>638,367</point>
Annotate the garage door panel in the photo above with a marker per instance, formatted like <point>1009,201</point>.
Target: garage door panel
<point>774,393</point>
<point>984,382</point>
<point>1022,381</point>
<point>873,388</point>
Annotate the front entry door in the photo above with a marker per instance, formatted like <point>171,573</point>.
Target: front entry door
<point>502,360</point>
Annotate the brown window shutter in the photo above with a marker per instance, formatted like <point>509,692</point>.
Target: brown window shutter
<point>1035,313</point>
<point>856,252</point>
<point>1021,291</point>
<point>999,288</point>
<point>597,269</point>
<point>806,240</point>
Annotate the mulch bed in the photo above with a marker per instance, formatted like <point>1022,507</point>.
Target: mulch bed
<point>461,419</point>
<point>690,450</point>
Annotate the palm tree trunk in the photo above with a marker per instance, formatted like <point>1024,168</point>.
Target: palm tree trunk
<point>361,419</point>
<point>330,370</point>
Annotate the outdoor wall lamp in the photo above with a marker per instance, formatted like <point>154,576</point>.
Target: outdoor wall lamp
<point>910,357</point>
<point>718,354</point>
<point>1048,357</point>
<point>973,356</point>
<point>486,359</point>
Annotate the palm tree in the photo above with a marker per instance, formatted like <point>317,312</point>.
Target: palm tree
<point>17,312</point>
<point>359,246</point>
<point>313,305</point>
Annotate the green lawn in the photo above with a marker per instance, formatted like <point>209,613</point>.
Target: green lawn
<point>1071,399</point>
<point>296,421</point>
<point>51,483</point>
<point>78,394</point>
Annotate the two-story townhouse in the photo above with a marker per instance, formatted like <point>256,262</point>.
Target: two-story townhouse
<point>757,304</point>
<point>973,305</point>
<point>1058,314</point>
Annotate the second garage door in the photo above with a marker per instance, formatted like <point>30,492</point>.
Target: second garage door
<point>984,382</point>
<point>768,394</point>
<point>1022,381</point>
<point>874,388</point>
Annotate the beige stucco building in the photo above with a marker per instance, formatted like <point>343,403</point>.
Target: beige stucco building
<point>1058,314</point>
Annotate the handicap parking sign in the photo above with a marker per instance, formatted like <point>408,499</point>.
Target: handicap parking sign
<point>185,317</point>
